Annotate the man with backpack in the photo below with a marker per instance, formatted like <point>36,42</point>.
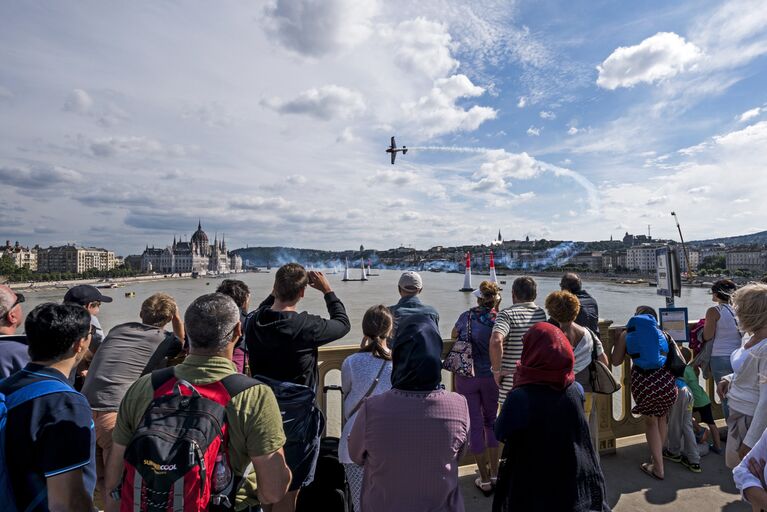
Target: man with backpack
<point>588,315</point>
<point>129,351</point>
<point>283,346</point>
<point>46,432</point>
<point>192,431</point>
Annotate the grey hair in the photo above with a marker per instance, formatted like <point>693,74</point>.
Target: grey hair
<point>6,299</point>
<point>210,320</point>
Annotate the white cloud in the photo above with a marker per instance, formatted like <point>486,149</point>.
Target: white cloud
<point>79,102</point>
<point>346,136</point>
<point>260,203</point>
<point>547,114</point>
<point>395,177</point>
<point>522,102</point>
<point>135,146</point>
<point>657,58</point>
<point>39,176</point>
<point>533,131</point>
<point>754,135</point>
<point>296,179</point>
<point>572,130</point>
<point>421,47</point>
<point>319,27</point>
<point>437,113</point>
<point>750,114</point>
<point>326,103</point>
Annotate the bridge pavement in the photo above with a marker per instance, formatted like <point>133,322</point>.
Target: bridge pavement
<point>630,490</point>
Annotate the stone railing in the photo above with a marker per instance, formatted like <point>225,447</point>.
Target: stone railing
<point>614,411</point>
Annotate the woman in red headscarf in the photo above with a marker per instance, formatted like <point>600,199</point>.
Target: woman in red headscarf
<point>548,461</point>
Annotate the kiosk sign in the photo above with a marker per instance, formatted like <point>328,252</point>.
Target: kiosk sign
<point>663,272</point>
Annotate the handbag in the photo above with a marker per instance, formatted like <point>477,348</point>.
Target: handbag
<point>460,360</point>
<point>675,363</point>
<point>601,379</point>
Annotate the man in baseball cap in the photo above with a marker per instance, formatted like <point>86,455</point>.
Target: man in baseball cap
<point>410,285</point>
<point>91,299</point>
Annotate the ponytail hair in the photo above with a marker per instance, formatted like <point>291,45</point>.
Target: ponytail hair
<point>376,327</point>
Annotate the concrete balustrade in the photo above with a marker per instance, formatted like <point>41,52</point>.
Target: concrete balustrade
<point>614,411</point>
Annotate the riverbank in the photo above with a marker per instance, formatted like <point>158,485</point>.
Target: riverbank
<point>116,282</point>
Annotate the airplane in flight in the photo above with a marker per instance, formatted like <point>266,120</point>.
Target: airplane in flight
<point>393,150</point>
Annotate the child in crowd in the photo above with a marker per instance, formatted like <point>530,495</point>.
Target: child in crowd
<point>682,446</point>
<point>702,405</point>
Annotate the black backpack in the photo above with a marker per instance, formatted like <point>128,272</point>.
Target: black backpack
<point>302,421</point>
<point>171,458</point>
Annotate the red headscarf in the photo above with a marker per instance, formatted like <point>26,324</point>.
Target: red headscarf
<point>547,358</point>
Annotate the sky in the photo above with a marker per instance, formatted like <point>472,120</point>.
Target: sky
<point>124,123</point>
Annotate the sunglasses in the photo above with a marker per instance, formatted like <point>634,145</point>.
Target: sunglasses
<point>19,299</point>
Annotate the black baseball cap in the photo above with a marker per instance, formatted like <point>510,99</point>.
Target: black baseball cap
<point>84,294</point>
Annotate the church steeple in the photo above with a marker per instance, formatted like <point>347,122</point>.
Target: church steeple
<point>500,238</point>
<point>199,225</point>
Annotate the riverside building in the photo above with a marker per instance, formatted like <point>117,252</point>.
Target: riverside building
<point>21,256</point>
<point>74,259</point>
<point>197,255</point>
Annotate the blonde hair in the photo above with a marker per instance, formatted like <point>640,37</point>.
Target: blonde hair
<point>377,326</point>
<point>158,309</point>
<point>563,306</point>
<point>491,294</point>
<point>750,304</point>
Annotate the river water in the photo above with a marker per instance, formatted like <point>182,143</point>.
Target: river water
<point>616,301</point>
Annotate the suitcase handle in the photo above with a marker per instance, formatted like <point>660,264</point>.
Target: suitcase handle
<point>332,387</point>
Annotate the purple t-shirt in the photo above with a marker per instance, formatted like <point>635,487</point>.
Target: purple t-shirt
<point>482,322</point>
<point>410,443</point>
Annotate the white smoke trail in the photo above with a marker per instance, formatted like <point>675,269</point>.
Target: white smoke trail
<point>591,190</point>
<point>451,149</point>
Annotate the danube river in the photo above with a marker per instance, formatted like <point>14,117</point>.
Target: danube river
<point>616,301</point>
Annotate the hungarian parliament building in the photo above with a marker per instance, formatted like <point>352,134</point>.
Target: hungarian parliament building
<point>196,256</point>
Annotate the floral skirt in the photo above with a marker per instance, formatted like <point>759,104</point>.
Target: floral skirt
<point>654,391</point>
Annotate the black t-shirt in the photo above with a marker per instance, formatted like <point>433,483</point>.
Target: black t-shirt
<point>47,436</point>
<point>282,345</point>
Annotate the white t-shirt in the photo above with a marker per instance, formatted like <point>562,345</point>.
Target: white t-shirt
<point>582,351</point>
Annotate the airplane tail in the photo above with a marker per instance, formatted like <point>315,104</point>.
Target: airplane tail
<point>404,150</point>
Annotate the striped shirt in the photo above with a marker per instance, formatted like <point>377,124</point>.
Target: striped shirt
<point>513,322</point>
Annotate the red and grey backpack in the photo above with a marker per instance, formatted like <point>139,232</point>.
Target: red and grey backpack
<point>170,461</point>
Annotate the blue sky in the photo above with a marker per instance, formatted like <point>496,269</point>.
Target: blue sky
<point>121,124</point>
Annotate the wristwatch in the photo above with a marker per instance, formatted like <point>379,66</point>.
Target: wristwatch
<point>115,493</point>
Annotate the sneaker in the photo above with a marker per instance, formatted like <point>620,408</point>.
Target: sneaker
<point>716,450</point>
<point>670,456</point>
<point>695,468</point>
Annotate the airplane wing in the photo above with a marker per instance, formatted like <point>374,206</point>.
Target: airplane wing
<point>393,156</point>
<point>393,144</point>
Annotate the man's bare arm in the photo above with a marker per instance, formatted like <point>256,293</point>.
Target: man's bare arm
<point>66,493</point>
<point>272,476</point>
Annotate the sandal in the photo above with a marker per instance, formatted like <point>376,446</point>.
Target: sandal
<point>485,487</point>
<point>648,468</point>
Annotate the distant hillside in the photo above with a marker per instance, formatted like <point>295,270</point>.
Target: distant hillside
<point>752,239</point>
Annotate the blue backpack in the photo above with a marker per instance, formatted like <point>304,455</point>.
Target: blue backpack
<point>645,342</point>
<point>8,402</point>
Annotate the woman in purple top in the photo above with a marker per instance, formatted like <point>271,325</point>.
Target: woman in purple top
<point>410,438</point>
<point>481,391</point>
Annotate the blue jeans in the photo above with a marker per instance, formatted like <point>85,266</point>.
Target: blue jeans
<point>720,366</point>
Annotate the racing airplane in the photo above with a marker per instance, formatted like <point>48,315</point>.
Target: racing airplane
<point>393,150</point>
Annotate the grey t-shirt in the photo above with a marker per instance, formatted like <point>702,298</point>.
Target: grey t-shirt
<point>120,360</point>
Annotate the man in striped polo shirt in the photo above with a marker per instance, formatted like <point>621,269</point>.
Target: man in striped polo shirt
<point>510,325</point>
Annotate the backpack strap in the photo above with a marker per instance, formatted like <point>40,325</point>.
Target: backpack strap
<point>160,377</point>
<point>36,390</point>
<point>236,383</point>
